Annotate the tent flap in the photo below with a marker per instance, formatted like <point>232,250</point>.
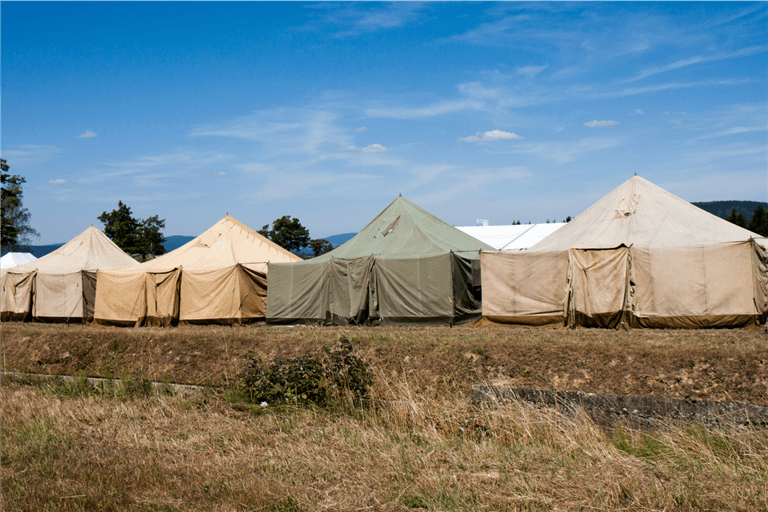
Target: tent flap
<point>17,293</point>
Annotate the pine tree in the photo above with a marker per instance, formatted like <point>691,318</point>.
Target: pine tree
<point>14,225</point>
<point>737,218</point>
<point>758,222</point>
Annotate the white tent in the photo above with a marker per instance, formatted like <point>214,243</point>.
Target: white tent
<point>512,237</point>
<point>13,259</point>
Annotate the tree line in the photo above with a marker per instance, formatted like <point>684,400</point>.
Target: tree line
<point>757,223</point>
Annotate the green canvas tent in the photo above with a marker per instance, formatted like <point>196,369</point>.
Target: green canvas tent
<point>405,267</point>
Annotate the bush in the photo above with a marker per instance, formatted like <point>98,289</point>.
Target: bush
<point>323,379</point>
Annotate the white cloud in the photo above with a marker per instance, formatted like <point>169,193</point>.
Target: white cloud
<point>361,129</point>
<point>58,181</point>
<point>639,112</point>
<point>373,148</point>
<point>744,52</point>
<point>531,71</point>
<point>219,173</point>
<point>596,124</point>
<point>490,136</point>
<point>87,135</point>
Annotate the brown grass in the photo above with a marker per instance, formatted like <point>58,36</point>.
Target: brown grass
<point>729,365</point>
<point>418,445</point>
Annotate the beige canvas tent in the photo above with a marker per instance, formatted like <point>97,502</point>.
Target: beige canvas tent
<point>60,286</point>
<point>638,257</point>
<point>219,277</point>
<point>405,267</point>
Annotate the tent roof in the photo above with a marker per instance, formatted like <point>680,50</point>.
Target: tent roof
<point>13,259</point>
<point>90,250</point>
<point>642,214</point>
<point>226,243</point>
<point>404,230</point>
<point>511,237</point>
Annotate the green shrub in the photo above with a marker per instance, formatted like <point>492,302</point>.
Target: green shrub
<point>323,379</point>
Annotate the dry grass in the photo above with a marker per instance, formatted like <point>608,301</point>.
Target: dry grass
<point>408,450</point>
<point>417,446</point>
<point>722,364</point>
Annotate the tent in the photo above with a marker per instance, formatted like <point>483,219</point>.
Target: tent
<point>13,259</point>
<point>639,257</point>
<point>405,267</point>
<point>60,286</point>
<point>218,277</point>
<point>512,237</point>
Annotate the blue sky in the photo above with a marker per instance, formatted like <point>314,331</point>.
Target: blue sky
<point>327,111</point>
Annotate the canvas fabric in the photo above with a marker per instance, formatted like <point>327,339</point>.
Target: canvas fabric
<point>16,295</point>
<point>218,277</point>
<point>639,257</point>
<point>524,288</point>
<point>231,295</point>
<point>298,293</point>
<point>406,266</point>
<point>691,286</point>
<point>62,280</point>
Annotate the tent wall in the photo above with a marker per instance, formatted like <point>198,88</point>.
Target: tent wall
<point>121,298</point>
<point>415,290</point>
<point>694,286</point>
<point>524,288</point>
<point>16,296</point>
<point>697,286</point>
<point>59,297</point>
<point>298,293</point>
<point>233,295</point>
<point>368,290</point>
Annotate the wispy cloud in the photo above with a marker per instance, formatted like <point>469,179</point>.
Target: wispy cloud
<point>219,173</point>
<point>490,136</point>
<point>361,129</point>
<point>373,148</point>
<point>530,71</point>
<point>699,59</point>
<point>58,181</point>
<point>566,152</point>
<point>30,153</point>
<point>357,19</point>
<point>599,124</point>
<point>87,135</point>
<point>435,109</point>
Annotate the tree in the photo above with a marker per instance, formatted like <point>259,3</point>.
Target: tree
<point>14,225</point>
<point>134,236</point>
<point>320,246</point>
<point>287,232</point>
<point>737,218</point>
<point>758,222</point>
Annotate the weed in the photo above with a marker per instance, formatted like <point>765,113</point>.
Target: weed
<point>323,379</point>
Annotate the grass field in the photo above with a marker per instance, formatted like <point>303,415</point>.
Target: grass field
<point>416,446</point>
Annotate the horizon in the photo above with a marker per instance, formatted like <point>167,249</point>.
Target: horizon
<point>326,112</point>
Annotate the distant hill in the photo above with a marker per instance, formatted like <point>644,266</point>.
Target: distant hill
<point>337,240</point>
<point>38,251</point>
<point>723,208</point>
<point>174,242</point>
